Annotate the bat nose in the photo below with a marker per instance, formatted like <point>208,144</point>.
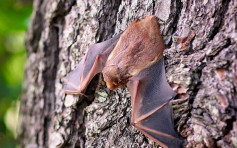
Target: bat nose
<point>110,85</point>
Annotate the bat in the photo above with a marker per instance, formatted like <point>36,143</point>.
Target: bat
<point>133,59</point>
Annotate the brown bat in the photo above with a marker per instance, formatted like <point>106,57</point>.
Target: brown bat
<point>133,59</point>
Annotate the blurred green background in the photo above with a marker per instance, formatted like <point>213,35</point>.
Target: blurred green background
<point>14,20</point>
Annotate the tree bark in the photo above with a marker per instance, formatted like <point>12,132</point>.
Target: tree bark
<point>200,61</point>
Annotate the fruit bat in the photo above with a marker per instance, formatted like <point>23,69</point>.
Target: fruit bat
<point>133,59</point>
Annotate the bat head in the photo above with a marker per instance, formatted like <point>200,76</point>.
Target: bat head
<point>112,77</point>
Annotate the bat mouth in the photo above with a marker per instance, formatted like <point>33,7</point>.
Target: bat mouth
<point>113,83</point>
<point>113,86</point>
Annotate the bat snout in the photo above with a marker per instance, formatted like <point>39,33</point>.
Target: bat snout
<point>112,77</point>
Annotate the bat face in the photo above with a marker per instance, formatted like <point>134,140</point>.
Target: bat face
<point>133,60</point>
<point>139,47</point>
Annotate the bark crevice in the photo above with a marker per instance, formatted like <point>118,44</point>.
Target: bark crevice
<point>200,61</point>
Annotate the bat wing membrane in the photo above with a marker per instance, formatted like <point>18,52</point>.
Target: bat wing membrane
<point>149,90</point>
<point>76,82</point>
<point>151,112</point>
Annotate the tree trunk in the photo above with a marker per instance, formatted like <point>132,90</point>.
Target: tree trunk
<point>200,64</point>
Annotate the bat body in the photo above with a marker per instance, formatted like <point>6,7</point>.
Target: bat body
<point>133,59</point>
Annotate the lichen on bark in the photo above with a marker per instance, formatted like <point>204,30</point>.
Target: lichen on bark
<point>200,64</point>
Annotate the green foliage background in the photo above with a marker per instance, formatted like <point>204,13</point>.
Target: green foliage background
<point>14,18</point>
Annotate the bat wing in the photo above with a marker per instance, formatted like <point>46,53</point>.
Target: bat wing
<point>76,82</point>
<point>152,113</point>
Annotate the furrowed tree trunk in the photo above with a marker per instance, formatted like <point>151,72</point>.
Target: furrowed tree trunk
<point>201,65</point>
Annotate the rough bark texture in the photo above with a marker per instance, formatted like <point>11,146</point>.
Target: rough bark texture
<point>200,64</point>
